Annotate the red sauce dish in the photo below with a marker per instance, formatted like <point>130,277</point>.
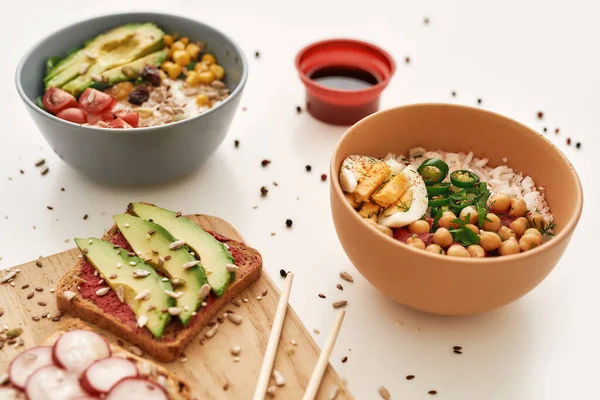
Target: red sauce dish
<point>344,79</point>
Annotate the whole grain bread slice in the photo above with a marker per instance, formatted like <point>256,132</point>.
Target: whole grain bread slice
<point>176,387</point>
<point>176,337</point>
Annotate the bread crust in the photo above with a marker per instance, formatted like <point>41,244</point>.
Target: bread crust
<point>176,337</point>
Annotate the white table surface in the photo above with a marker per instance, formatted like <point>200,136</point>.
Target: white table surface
<point>519,57</point>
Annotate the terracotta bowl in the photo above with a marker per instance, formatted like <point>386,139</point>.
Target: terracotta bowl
<point>435,283</point>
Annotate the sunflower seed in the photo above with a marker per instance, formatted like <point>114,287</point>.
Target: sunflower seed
<point>4,378</point>
<point>346,276</point>
<point>271,391</point>
<point>279,379</point>
<point>69,295</point>
<point>236,302</point>
<point>177,282</point>
<point>384,393</point>
<point>175,310</point>
<point>191,264</point>
<point>102,291</point>
<point>8,277</point>
<point>142,320</point>
<point>143,295</point>
<point>235,318</point>
<point>174,295</point>
<point>120,291</point>
<point>211,332</point>
<point>177,244</point>
<point>79,279</point>
<point>236,350</point>
<point>90,55</point>
<point>14,333</point>
<point>339,303</point>
<point>140,273</point>
<point>136,350</point>
<point>96,78</point>
<point>204,291</point>
<point>84,68</point>
<point>232,267</point>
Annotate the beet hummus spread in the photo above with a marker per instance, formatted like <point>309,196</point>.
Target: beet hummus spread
<point>110,303</point>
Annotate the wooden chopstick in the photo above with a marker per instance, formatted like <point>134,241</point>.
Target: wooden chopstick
<point>317,375</point>
<point>267,365</point>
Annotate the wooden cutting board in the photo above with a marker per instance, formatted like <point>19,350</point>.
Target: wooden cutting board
<point>209,367</point>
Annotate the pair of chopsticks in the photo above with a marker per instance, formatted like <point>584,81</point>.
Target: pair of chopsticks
<point>267,366</point>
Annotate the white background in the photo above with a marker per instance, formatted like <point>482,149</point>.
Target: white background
<point>518,56</point>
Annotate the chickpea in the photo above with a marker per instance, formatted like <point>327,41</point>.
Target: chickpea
<point>435,248</point>
<point>476,250</point>
<point>506,233</point>
<point>533,231</point>
<point>536,220</point>
<point>415,242</point>
<point>419,226</point>
<point>178,45</point>
<point>469,212</point>
<point>500,203</point>
<point>518,207</point>
<point>508,247</point>
<point>384,229</point>
<point>472,227</point>
<point>519,226</point>
<point>443,237</point>
<point>493,224</point>
<point>446,220</point>
<point>456,250</point>
<point>529,241</point>
<point>489,241</point>
<point>209,59</point>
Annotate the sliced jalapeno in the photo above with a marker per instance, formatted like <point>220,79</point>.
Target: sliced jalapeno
<point>433,170</point>
<point>438,201</point>
<point>464,179</point>
<point>438,188</point>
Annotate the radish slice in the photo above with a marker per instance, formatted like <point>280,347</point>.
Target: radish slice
<point>8,393</point>
<point>53,383</point>
<point>76,350</point>
<point>26,363</point>
<point>103,374</point>
<point>136,389</point>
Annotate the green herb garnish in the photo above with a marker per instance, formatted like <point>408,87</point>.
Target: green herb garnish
<point>463,234</point>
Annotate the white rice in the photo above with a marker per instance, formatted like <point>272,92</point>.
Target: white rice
<point>500,179</point>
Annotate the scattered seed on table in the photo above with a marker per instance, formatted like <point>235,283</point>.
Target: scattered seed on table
<point>410,377</point>
<point>265,162</point>
<point>340,303</point>
<point>257,54</point>
<point>288,223</point>
<point>21,171</point>
<point>432,392</point>
<point>39,289</point>
<point>275,184</point>
<point>321,295</point>
<point>25,286</point>
<point>264,191</point>
<point>283,273</point>
<point>308,168</point>
<point>35,318</point>
<point>225,386</point>
<point>298,109</point>
<point>62,189</point>
<point>479,101</point>
<point>273,234</point>
<point>344,359</point>
<point>339,286</point>
<point>265,292</point>
<point>40,163</point>
<point>220,320</point>
<point>30,295</point>
<point>323,177</point>
<point>426,21</point>
<point>85,217</point>
<point>38,264</point>
<point>384,393</point>
<point>50,208</point>
<point>569,141</point>
<point>407,60</point>
<point>457,352</point>
<point>45,171</point>
<point>236,143</point>
<point>557,130</point>
<point>456,348</point>
<point>545,129</point>
<point>578,145</point>
<point>316,331</point>
<point>244,108</point>
<point>453,93</point>
<point>346,276</point>
<point>540,114</point>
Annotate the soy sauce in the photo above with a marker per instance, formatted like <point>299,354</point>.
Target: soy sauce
<point>344,78</point>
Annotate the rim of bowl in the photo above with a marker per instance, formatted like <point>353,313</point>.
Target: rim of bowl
<point>379,86</point>
<point>134,131</point>
<point>561,236</point>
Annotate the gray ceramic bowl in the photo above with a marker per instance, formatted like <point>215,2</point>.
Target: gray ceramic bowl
<point>141,155</point>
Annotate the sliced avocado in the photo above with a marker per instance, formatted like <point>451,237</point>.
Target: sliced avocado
<point>112,261</point>
<point>153,242</point>
<point>214,255</point>
<point>117,50</point>
<point>79,56</point>
<point>131,70</point>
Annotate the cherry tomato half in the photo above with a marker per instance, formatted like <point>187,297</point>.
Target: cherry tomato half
<point>73,114</point>
<point>131,117</point>
<point>119,123</point>
<point>56,100</point>
<point>95,101</point>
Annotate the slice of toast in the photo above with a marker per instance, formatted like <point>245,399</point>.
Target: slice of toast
<point>176,387</point>
<point>176,337</point>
